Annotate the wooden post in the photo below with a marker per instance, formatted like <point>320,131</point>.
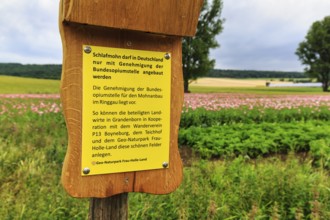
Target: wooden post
<point>111,208</point>
<point>122,97</point>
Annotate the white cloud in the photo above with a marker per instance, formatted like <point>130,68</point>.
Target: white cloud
<point>264,34</point>
<point>29,31</point>
<point>258,34</point>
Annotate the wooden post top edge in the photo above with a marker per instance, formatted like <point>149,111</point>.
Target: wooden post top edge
<point>169,17</point>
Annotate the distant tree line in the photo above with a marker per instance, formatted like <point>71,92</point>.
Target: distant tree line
<point>53,71</point>
<point>218,73</point>
<point>45,71</point>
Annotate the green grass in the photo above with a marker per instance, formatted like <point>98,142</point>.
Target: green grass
<point>257,90</point>
<point>241,189</point>
<point>255,140</point>
<point>33,147</point>
<point>20,85</point>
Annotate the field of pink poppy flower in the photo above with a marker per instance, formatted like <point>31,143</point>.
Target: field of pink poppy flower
<point>221,124</point>
<point>199,110</point>
<point>234,127</point>
<point>19,104</point>
<point>49,103</point>
<point>220,101</point>
<point>209,111</point>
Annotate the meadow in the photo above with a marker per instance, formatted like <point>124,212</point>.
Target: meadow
<point>247,86</point>
<point>20,85</point>
<point>262,155</point>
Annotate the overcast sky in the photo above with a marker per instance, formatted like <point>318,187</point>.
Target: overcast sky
<point>258,34</point>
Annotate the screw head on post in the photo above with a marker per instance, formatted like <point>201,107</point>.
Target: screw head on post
<point>86,170</point>
<point>165,164</point>
<point>87,49</point>
<point>167,56</point>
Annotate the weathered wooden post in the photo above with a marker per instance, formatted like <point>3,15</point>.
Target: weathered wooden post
<point>122,96</point>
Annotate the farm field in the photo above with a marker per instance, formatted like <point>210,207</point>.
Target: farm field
<point>261,155</point>
<point>20,85</point>
<point>250,86</point>
<point>257,90</point>
<point>226,82</point>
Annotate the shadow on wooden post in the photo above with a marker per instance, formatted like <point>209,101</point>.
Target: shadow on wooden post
<point>110,208</point>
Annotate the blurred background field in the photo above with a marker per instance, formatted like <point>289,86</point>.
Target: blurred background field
<point>230,82</point>
<point>251,86</point>
<point>12,84</point>
<point>20,85</point>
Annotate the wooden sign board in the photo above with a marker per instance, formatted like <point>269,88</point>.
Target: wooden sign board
<point>122,94</point>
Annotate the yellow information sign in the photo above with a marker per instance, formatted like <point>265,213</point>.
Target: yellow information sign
<point>125,110</point>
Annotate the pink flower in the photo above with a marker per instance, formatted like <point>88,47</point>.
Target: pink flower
<point>227,100</point>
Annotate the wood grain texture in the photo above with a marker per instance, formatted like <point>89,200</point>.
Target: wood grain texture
<point>161,181</point>
<point>112,208</point>
<point>171,17</point>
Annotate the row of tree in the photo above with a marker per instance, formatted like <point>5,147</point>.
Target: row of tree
<point>46,71</point>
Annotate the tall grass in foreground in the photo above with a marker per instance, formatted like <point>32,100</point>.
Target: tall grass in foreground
<point>32,150</point>
<point>242,189</point>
